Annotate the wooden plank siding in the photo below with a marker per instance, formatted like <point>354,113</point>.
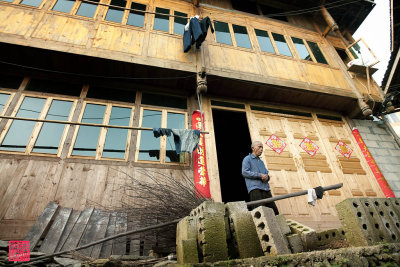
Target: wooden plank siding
<point>44,28</point>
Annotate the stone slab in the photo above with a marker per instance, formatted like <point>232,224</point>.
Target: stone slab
<point>273,242</point>
<point>186,241</point>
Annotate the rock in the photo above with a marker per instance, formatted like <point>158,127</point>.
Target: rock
<point>3,244</point>
<point>67,262</point>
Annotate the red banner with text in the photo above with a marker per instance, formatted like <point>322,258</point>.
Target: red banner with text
<point>372,164</point>
<point>202,182</point>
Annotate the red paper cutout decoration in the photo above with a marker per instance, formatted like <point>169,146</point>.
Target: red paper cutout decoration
<point>343,149</point>
<point>309,146</point>
<point>277,144</point>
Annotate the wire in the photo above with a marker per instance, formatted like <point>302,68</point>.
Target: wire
<point>97,76</point>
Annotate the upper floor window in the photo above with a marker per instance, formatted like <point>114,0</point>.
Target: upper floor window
<point>308,51</point>
<point>116,14</point>
<point>241,36</point>
<point>281,44</point>
<point>87,9</point>
<point>126,12</point>
<point>64,5</point>
<point>264,40</point>
<point>136,17</point>
<point>37,137</point>
<point>319,57</point>
<point>164,22</point>
<point>222,32</point>
<point>301,49</point>
<point>4,99</point>
<point>34,3</point>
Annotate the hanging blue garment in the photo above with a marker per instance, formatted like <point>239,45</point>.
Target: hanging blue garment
<point>192,34</point>
<point>185,140</point>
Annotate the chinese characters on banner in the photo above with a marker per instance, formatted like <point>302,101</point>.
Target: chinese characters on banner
<point>309,146</point>
<point>19,250</point>
<point>372,164</point>
<point>277,144</point>
<point>343,149</point>
<point>201,179</point>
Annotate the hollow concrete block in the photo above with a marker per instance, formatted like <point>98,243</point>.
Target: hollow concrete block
<point>243,232</point>
<point>308,235</point>
<point>285,229</point>
<point>295,243</point>
<point>186,241</point>
<point>268,231</point>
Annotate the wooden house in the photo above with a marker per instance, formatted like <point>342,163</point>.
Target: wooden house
<point>271,67</point>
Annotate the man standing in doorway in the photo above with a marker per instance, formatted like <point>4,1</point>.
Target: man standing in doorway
<point>256,176</point>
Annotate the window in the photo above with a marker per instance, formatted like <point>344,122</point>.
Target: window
<point>103,142</point>
<point>35,3</point>
<point>281,44</point>
<point>222,33</point>
<point>160,149</point>
<point>116,14</point>
<point>301,49</point>
<point>136,18</point>
<point>64,5</point>
<point>180,22</point>
<point>87,9</point>
<point>37,137</point>
<point>10,1</point>
<point>264,41</point>
<point>241,36</point>
<point>4,98</point>
<point>317,53</point>
<point>161,22</point>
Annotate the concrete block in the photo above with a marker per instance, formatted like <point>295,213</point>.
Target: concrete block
<point>285,229</point>
<point>395,152</point>
<point>211,232</point>
<point>395,205</point>
<point>295,243</point>
<point>329,236</point>
<point>371,143</point>
<point>389,145</point>
<point>379,130</point>
<point>186,241</point>
<point>307,234</point>
<point>243,231</point>
<point>387,137</point>
<point>362,222</point>
<point>364,129</point>
<point>389,217</point>
<point>380,159</point>
<point>269,233</point>
<point>372,137</point>
<point>382,152</point>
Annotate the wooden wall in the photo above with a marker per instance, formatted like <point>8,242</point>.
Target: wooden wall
<point>44,28</point>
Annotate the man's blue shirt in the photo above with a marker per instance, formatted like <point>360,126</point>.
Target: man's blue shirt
<point>252,168</point>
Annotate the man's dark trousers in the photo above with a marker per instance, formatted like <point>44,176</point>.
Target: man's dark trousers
<point>258,194</point>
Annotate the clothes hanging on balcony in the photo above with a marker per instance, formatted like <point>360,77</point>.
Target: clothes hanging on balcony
<point>185,140</point>
<point>204,25</point>
<point>192,33</point>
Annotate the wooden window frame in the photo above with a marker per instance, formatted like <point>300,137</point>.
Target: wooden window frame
<point>232,34</point>
<point>19,2</point>
<point>77,5</point>
<point>73,10</point>
<point>7,104</point>
<point>163,139</point>
<point>314,60</point>
<point>126,12</point>
<point>103,131</point>
<point>38,125</point>
<point>170,21</point>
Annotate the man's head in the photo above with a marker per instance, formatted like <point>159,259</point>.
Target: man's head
<point>256,148</point>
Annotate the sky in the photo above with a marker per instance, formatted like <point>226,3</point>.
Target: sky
<point>375,31</point>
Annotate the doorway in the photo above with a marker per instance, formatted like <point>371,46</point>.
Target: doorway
<point>232,138</point>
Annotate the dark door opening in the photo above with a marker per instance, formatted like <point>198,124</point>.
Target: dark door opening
<point>232,138</point>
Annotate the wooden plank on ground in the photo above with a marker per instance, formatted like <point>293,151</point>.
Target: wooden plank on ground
<point>121,225</point>
<point>77,231</point>
<point>100,232</point>
<point>106,249</point>
<point>41,224</point>
<point>53,236</point>
<point>68,228</point>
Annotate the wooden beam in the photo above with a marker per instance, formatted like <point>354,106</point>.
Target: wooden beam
<point>395,63</point>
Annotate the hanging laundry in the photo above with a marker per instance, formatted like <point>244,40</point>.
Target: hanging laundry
<point>185,140</point>
<point>161,131</point>
<point>312,197</point>
<point>204,25</point>
<point>196,32</point>
<point>192,33</point>
<point>319,192</point>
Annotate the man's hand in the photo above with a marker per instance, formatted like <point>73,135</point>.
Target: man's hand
<point>265,177</point>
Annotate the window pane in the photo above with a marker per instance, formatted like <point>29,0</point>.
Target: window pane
<point>222,33</point>
<point>3,100</point>
<point>164,101</point>
<point>317,52</point>
<point>241,36</point>
<point>115,14</point>
<point>264,41</point>
<point>115,144</point>
<point>136,18</point>
<point>35,3</point>
<point>301,49</point>
<point>161,22</point>
<point>12,82</point>
<point>281,44</point>
<point>86,141</point>
<point>50,134</point>
<point>20,131</point>
<point>8,1</point>
<point>179,23</point>
<point>149,145</point>
<point>87,9</point>
<point>64,5</point>
<point>174,121</point>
